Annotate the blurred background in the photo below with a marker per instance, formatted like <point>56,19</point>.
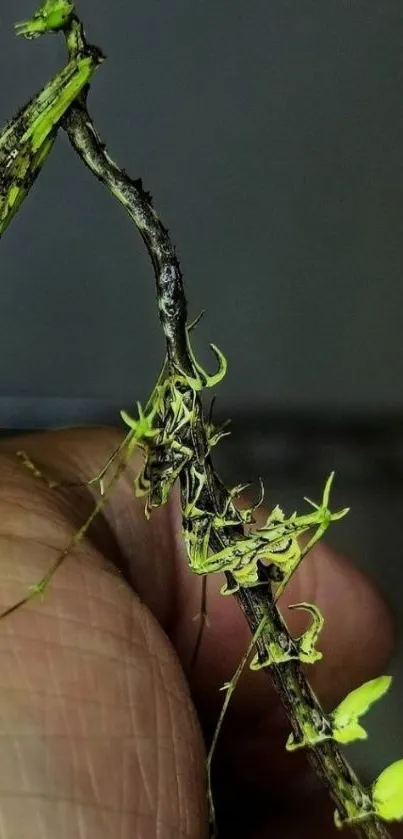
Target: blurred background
<point>271,137</point>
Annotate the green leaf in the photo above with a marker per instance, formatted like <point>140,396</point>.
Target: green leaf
<point>345,717</point>
<point>350,733</point>
<point>387,793</point>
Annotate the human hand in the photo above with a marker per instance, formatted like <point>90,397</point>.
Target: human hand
<point>100,736</point>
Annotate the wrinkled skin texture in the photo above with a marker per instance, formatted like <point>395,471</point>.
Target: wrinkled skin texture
<point>99,735</point>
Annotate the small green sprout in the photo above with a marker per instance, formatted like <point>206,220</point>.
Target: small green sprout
<point>386,799</point>
<point>321,518</point>
<point>143,426</point>
<point>303,649</point>
<point>51,16</point>
<point>387,793</point>
<point>346,727</point>
<point>343,722</point>
<point>202,379</point>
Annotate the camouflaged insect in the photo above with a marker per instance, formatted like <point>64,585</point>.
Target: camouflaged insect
<point>27,140</point>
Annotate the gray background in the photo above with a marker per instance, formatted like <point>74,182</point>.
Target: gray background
<point>271,136</point>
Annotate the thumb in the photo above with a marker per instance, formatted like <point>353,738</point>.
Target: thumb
<point>99,736</point>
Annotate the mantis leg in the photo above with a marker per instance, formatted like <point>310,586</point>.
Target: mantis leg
<point>229,687</point>
<point>96,479</point>
<point>120,459</point>
<point>315,538</point>
<point>40,587</point>
<point>27,140</point>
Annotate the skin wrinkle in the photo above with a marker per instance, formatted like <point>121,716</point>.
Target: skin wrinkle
<point>69,506</point>
<point>87,561</point>
<point>147,792</point>
<point>147,575</point>
<point>167,829</point>
<point>83,599</point>
<point>176,800</point>
<point>139,633</point>
<point>177,740</point>
<point>12,509</point>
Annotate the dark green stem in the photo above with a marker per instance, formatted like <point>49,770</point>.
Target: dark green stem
<point>295,691</point>
<point>256,602</point>
<point>170,291</point>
